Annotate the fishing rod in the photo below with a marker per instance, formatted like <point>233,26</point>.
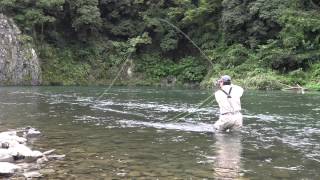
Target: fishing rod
<point>117,76</point>
<point>128,57</point>
<point>181,115</point>
<point>119,72</point>
<point>210,98</point>
<point>186,36</point>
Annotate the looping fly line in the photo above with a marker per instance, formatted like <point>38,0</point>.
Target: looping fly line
<point>181,115</point>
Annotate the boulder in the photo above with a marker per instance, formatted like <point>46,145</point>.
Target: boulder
<point>25,153</point>
<point>19,63</point>
<point>8,168</point>
<point>13,149</point>
<point>7,155</point>
<point>32,132</point>
<point>10,138</point>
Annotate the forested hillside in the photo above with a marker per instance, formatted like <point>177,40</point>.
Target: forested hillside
<point>262,44</point>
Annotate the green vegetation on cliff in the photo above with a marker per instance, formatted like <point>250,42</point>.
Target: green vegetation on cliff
<point>262,44</point>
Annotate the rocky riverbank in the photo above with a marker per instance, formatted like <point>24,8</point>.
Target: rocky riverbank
<point>19,63</point>
<point>19,161</point>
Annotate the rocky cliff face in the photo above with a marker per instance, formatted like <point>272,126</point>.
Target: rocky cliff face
<point>19,64</point>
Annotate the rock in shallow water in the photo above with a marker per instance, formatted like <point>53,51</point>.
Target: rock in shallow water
<point>32,132</point>
<point>11,138</point>
<point>25,153</point>
<point>7,155</point>
<point>42,160</point>
<point>56,157</point>
<point>15,155</point>
<point>47,171</point>
<point>32,174</point>
<point>134,174</point>
<point>8,168</point>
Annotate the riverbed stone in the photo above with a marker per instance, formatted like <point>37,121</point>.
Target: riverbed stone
<point>32,132</point>
<point>42,160</point>
<point>149,174</point>
<point>200,173</point>
<point>28,166</point>
<point>165,173</point>
<point>47,171</point>
<point>32,174</point>
<point>56,157</point>
<point>282,174</point>
<point>134,174</point>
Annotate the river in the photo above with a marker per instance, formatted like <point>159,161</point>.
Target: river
<point>125,135</point>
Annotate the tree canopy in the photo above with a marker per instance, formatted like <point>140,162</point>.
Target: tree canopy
<point>280,35</point>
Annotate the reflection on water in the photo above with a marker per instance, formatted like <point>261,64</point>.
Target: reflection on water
<point>124,135</point>
<point>227,164</point>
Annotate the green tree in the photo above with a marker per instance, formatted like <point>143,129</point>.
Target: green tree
<point>85,16</point>
<point>252,22</point>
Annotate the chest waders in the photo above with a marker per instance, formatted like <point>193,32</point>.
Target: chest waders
<point>229,97</point>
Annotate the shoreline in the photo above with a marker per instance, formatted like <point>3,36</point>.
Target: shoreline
<point>18,160</point>
<point>199,86</point>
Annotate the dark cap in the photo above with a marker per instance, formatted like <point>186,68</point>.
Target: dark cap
<point>225,78</point>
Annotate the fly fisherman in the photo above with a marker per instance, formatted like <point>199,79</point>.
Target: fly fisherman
<point>228,98</point>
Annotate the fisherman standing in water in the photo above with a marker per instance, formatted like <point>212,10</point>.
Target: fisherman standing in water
<point>228,98</point>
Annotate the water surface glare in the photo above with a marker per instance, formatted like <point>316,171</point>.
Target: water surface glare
<point>126,135</point>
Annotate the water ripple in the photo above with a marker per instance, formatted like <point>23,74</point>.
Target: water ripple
<point>193,127</point>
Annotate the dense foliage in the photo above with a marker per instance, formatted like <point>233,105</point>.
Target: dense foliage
<point>262,44</point>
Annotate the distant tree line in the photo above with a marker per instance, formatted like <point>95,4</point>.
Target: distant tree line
<point>282,36</point>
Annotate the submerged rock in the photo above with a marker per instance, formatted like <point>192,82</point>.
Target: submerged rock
<point>56,157</point>
<point>134,174</point>
<point>33,174</point>
<point>47,171</point>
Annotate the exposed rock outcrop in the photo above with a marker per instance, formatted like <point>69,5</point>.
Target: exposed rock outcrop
<point>19,64</point>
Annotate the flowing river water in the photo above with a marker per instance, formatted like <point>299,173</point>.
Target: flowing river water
<point>125,135</point>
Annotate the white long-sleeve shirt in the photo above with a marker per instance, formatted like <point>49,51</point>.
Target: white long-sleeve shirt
<point>229,105</point>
